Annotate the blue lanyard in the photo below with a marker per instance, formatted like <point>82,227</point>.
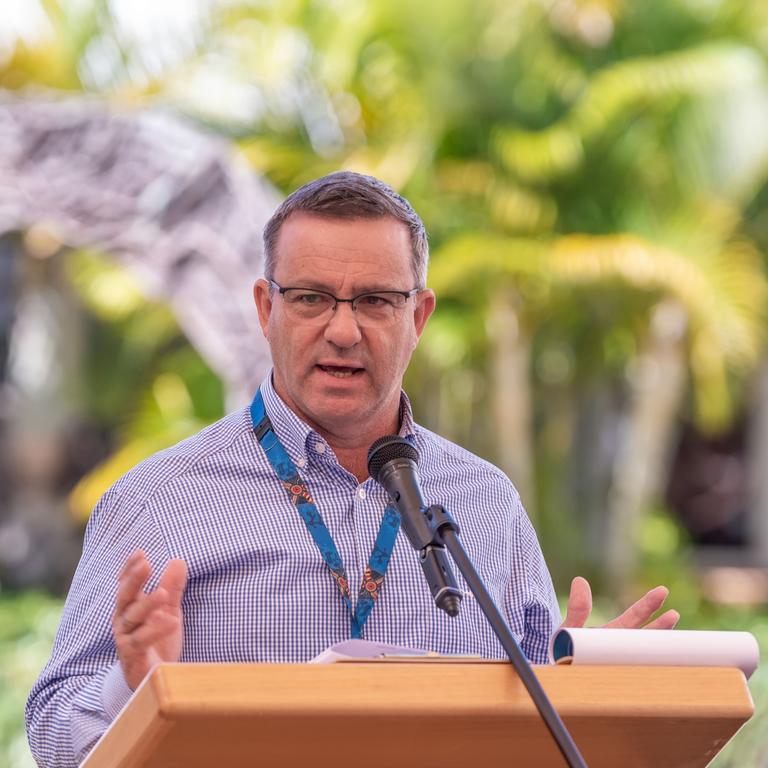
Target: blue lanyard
<point>298,492</point>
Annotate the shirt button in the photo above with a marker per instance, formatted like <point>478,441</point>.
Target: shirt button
<point>301,461</point>
<point>361,493</point>
<point>320,447</point>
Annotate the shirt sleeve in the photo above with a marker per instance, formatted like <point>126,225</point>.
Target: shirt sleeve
<point>82,688</point>
<point>533,589</point>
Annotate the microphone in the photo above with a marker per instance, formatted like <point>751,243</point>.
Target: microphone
<point>393,463</point>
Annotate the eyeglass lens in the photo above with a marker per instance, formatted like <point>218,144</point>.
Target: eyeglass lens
<point>370,308</point>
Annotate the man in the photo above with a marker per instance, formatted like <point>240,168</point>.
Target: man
<point>261,525</point>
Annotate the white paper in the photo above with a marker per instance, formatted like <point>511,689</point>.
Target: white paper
<point>363,649</point>
<point>655,647</point>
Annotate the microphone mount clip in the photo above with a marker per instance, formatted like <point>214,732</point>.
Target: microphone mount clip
<point>434,560</point>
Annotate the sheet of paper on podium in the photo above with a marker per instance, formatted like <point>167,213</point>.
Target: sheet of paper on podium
<point>365,650</point>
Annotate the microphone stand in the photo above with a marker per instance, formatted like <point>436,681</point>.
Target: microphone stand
<point>445,532</point>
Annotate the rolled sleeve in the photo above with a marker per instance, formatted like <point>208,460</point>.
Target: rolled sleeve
<point>538,598</point>
<point>82,687</point>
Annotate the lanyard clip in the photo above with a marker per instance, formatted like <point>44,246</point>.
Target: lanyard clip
<point>261,429</point>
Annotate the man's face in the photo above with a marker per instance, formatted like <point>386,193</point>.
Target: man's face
<point>312,362</point>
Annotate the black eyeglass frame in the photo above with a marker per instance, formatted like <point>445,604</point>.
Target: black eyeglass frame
<point>352,302</point>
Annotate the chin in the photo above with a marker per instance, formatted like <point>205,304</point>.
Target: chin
<point>341,412</point>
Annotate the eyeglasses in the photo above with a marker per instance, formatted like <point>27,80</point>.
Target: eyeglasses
<point>373,309</point>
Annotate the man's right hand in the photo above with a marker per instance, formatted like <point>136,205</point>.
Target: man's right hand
<point>147,626</point>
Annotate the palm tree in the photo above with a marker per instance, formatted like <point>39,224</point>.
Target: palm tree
<point>593,176</point>
<point>593,160</point>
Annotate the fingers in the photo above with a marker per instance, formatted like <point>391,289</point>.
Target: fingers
<point>136,613</point>
<point>173,581</point>
<point>133,606</point>
<point>579,603</point>
<point>131,580</point>
<point>636,616</point>
<point>667,620</point>
<point>139,651</point>
<point>640,612</point>
<point>147,626</point>
<point>157,626</point>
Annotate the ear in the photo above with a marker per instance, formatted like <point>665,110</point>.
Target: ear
<point>425,306</point>
<point>263,299</point>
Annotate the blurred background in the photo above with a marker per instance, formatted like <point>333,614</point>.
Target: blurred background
<point>594,178</point>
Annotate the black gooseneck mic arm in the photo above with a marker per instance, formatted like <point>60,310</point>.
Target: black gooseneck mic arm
<point>397,473</point>
<point>392,461</point>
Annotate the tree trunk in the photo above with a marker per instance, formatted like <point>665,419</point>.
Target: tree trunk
<point>511,394</point>
<point>757,458</point>
<point>39,541</point>
<point>657,386</point>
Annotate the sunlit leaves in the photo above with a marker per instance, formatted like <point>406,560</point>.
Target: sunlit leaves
<point>724,295</point>
<point>620,92</point>
<point>594,158</point>
<point>27,627</point>
<point>106,288</point>
<point>142,379</point>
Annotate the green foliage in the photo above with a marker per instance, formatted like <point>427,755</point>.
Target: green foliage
<point>27,626</point>
<point>749,746</point>
<point>667,559</point>
<point>142,380</point>
<point>509,122</point>
<point>587,160</point>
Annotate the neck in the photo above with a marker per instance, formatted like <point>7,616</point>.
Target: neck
<point>352,450</point>
<point>350,441</point>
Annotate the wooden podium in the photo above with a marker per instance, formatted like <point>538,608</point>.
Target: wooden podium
<point>403,714</point>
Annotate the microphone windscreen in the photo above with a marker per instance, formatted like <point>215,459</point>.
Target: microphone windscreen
<point>387,448</point>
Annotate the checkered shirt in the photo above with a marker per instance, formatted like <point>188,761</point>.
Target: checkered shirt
<point>258,589</point>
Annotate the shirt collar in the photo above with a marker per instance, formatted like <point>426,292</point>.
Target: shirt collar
<point>298,438</point>
<point>407,427</point>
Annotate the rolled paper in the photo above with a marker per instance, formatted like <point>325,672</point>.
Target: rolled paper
<point>655,647</point>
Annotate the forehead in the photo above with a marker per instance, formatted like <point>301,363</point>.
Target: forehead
<point>362,253</point>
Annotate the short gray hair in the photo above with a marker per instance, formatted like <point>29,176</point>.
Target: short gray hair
<point>348,195</point>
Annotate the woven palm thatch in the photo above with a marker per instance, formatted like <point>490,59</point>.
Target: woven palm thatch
<point>169,202</point>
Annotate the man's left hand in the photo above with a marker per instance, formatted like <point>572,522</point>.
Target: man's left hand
<point>635,617</point>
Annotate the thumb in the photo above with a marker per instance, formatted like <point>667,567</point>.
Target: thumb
<point>174,580</point>
<point>579,603</point>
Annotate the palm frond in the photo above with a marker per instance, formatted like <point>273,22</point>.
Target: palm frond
<point>615,95</point>
<point>724,298</point>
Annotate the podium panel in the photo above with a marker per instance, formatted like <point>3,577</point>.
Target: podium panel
<point>416,714</point>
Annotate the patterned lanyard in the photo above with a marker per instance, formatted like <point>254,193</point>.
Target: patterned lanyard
<point>298,492</point>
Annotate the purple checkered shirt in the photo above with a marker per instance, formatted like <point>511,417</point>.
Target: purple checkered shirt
<point>258,589</point>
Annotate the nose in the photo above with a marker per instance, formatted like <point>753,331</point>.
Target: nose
<point>342,329</point>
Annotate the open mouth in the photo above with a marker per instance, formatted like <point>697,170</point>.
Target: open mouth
<point>340,371</point>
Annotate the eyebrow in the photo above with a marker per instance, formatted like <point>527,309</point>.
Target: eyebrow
<point>327,289</point>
